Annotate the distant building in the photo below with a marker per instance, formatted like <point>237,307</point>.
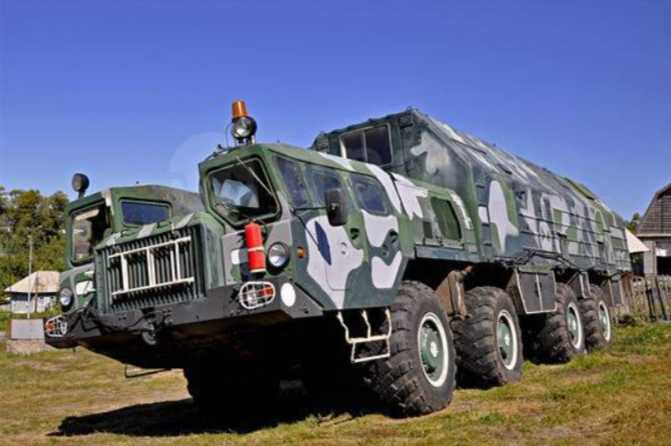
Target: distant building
<point>637,250</point>
<point>43,286</point>
<point>655,232</point>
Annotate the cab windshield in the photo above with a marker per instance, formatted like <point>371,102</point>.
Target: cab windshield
<point>241,192</point>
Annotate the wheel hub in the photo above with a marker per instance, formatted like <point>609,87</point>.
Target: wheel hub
<point>506,339</point>
<point>604,321</point>
<point>573,323</point>
<point>432,349</point>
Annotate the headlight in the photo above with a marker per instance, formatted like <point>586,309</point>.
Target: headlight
<point>244,127</point>
<point>278,255</point>
<point>66,297</point>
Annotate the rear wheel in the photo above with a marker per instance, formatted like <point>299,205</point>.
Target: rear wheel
<point>560,336</point>
<point>598,322</point>
<point>489,341</point>
<point>419,376</point>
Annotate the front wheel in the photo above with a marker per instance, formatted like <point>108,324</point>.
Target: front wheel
<point>419,376</point>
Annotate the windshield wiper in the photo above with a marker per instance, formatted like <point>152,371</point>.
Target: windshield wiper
<point>235,209</point>
<point>256,177</point>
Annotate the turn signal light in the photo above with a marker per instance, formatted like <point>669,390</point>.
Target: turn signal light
<point>300,253</point>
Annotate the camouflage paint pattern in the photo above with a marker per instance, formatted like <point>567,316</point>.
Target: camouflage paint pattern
<point>447,196</point>
<point>517,207</point>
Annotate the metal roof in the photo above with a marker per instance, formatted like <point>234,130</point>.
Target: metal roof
<point>39,282</point>
<point>657,218</point>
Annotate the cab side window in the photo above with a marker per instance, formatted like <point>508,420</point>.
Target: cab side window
<point>294,182</point>
<point>371,145</point>
<point>370,195</point>
<point>88,229</point>
<point>323,180</point>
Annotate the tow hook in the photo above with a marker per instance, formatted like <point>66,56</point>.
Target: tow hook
<point>148,334</point>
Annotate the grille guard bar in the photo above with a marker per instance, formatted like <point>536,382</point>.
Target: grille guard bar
<point>175,269</point>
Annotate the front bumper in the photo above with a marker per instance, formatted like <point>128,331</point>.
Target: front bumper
<point>175,326</point>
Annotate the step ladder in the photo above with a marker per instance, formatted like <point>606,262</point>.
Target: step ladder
<point>369,338</point>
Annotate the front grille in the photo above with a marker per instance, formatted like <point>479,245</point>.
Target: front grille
<point>152,271</point>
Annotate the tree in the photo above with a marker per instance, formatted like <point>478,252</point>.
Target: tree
<point>632,224</point>
<point>25,213</point>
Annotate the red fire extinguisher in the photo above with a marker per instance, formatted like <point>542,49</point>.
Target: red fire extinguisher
<point>255,250</point>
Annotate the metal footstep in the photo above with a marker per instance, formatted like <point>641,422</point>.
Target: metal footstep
<point>369,338</point>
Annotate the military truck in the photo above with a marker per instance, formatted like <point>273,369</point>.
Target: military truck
<point>395,252</point>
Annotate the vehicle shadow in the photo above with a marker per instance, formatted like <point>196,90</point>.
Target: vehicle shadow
<point>181,417</point>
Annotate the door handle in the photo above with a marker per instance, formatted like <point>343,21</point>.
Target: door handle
<point>393,238</point>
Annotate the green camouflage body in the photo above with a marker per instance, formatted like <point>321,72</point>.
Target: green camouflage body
<point>517,208</point>
<point>450,200</point>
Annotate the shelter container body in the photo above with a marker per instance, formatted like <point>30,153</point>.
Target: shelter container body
<point>537,225</point>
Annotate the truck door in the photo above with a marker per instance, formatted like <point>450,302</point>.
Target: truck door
<point>382,241</point>
<point>339,250</point>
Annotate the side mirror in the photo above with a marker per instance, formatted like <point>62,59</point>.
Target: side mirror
<point>336,207</point>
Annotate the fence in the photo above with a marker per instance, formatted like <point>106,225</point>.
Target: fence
<point>649,297</point>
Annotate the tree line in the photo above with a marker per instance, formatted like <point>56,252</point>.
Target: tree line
<point>26,213</point>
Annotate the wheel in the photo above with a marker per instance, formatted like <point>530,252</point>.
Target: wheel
<point>560,336</point>
<point>229,389</point>
<point>598,322</point>
<point>419,376</point>
<point>489,341</point>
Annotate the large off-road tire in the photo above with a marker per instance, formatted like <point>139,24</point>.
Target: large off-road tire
<point>227,389</point>
<point>489,341</point>
<point>419,376</point>
<point>560,336</point>
<point>597,318</point>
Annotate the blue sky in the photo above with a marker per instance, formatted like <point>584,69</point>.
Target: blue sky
<point>132,91</point>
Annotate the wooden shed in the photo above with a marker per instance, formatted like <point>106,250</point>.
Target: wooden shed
<point>655,232</point>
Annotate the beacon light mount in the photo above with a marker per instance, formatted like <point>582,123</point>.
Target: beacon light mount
<point>243,127</point>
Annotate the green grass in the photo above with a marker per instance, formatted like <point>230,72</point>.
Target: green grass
<point>617,396</point>
<point>4,322</point>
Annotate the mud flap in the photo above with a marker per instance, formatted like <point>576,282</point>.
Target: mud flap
<point>451,293</point>
<point>533,291</point>
<point>579,283</point>
<point>612,291</point>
